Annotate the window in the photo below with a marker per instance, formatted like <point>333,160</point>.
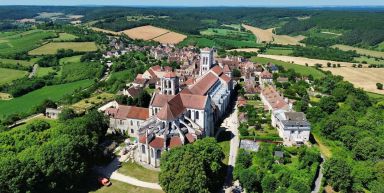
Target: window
<point>152,153</point>
<point>196,114</point>
<point>131,122</point>
<point>121,122</point>
<point>143,149</point>
<point>158,154</point>
<point>137,123</point>
<point>132,131</point>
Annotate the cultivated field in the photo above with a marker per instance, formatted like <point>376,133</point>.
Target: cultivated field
<point>362,51</point>
<point>267,35</point>
<point>26,102</point>
<point>262,35</point>
<point>65,37</point>
<point>245,50</point>
<point>149,32</point>
<point>145,32</point>
<point>170,38</point>
<point>365,78</point>
<point>8,75</point>
<point>15,62</point>
<point>5,96</point>
<point>303,61</point>
<point>93,101</point>
<point>51,48</point>
<point>17,42</point>
<point>106,31</point>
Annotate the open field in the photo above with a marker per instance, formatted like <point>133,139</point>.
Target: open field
<point>303,70</point>
<point>261,34</point>
<point>105,31</point>
<point>43,71</point>
<point>8,75</point>
<point>18,42</point>
<point>245,50</point>
<point>288,40</point>
<point>118,187</point>
<point>145,32</point>
<point>361,51</point>
<point>88,103</point>
<point>72,69</point>
<point>139,172</point>
<point>303,61</point>
<point>170,38</point>
<point>365,78</point>
<point>15,62</point>
<point>279,51</point>
<point>26,102</point>
<point>266,35</point>
<point>369,60</point>
<point>51,48</point>
<point>65,37</point>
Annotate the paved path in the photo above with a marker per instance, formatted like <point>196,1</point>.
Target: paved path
<point>26,119</point>
<point>111,171</point>
<point>232,123</point>
<point>316,189</point>
<point>34,70</point>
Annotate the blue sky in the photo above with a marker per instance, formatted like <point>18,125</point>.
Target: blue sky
<point>198,2</point>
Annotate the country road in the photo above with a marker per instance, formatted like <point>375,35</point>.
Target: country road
<point>34,70</point>
<point>316,189</point>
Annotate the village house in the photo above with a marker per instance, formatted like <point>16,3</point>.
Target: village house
<point>52,113</point>
<point>265,78</point>
<point>293,127</point>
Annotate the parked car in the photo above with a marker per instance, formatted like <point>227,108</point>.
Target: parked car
<point>104,181</point>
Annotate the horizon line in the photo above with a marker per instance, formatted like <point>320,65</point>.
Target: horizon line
<point>219,6</point>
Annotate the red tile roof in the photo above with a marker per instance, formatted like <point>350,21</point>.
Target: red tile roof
<point>138,113</point>
<point>190,137</point>
<point>226,69</point>
<point>157,143</point>
<point>204,84</point>
<point>170,75</point>
<point>266,75</point>
<point>175,141</point>
<point>156,68</point>
<point>143,138</point>
<point>171,110</point>
<point>225,78</point>
<point>217,69</point>
<point>193,101</point>
<point>159,100</point>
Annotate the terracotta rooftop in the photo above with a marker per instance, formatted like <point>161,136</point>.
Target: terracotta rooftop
<point>134,92</point>
<point>204,84</point>
<point>217,69</point>
<point>175,141</point>
<point>128,112</point>
<point>226,69</point>
<point>159,100</point>
<point>190,137</point>
<point>170,75</point>
<point>225,78</point>
<point>157,143</point>
<point>266,75</point>
<point>138,113</point>
<point>143,138</point>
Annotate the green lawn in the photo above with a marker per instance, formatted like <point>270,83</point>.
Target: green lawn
<point>226,146</point>
<point>25,103</point>
<point>51,48</point>
<point>43,71</point>
<point>14,62</point>
<point>71,59</point>
<point>65,37</point>
<point>303,70</point>
<point>380,47</point>
<point>139,172</point>
<point>23,41</point>
<point>119,187</point>
<point>80,70</point>
<point>8,75</point>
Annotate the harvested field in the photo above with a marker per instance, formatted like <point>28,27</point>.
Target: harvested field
<point>245,50</point>
<point>362,51</point>
<point>105,31</point>
<point>303,61</point>
<point>145,32</point>
<point>288,40</point>
<point>262,35</point>
<point>266,35</point>
<point>365,78</point>
<point>170,38</point>
<point>5,96</point>
<point>51,48</point>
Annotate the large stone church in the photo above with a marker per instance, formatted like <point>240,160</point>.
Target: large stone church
<point>178,117</point>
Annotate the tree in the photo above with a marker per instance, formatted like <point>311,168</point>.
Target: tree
<point>328,104</point>
<point>236,73</point>
<point>368,149</point>
<point>250,181</point>
<point>269,183</point>
<point>338,173</point>
<point>379,86</point>
<point>192,168</point>
<point>67,114</point>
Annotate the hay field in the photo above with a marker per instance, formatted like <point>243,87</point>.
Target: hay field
<point>147,32</point>
<point>267,35</point>
<point>170,38</point>
<point>262,35</point>
<point>245,50</point>
<point>51,48</point>
<point>303,61</point>
<point>365,78</point>
<point>362,51</point>
<point>288,40</point>
<point>8,75</point>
